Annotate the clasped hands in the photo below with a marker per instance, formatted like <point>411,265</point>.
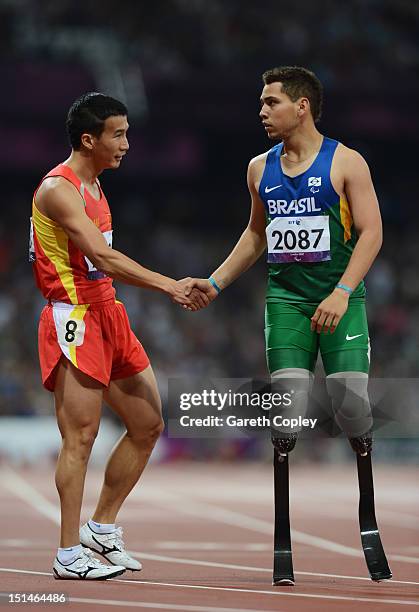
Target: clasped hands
<point>196,293</point>
<point>193,293</point>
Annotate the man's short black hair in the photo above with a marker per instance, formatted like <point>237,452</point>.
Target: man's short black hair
<point>87,115</point>
<point>298,82</point>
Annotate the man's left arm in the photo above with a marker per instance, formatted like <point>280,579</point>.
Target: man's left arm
<point>363,203</point>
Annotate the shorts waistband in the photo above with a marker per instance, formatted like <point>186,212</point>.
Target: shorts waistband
<point>92,306</point>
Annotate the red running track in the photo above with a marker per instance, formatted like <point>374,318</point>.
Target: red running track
<point>204,535</point>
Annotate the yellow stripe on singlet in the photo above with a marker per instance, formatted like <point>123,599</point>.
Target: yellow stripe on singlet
<point>345,218</point>
<point>54,243</point>
<point>78,315</point>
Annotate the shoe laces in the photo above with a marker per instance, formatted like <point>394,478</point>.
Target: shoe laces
<point>116,538</point>
<point>87,558</point>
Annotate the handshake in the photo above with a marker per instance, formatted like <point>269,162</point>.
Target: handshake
<point>192,293</point>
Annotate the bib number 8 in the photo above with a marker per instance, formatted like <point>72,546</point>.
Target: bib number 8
<point>290,239</point>
<point>71,327</point>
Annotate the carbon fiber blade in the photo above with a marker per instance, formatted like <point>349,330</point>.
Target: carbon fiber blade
<point>283,573</point>
<point>370,537</point>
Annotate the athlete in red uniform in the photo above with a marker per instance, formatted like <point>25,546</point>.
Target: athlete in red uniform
<point>88,352</point>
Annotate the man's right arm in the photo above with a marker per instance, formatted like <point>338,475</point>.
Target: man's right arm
<point>250,245</point>
<point>64,206</point>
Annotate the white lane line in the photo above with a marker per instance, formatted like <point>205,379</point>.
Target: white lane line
<point>399,519</point>
<point>214,492</point>
<point>19,571</point>
<point>19,543</point>
<point>225,546</point>
<point>249,547</point>
<point>194,546</point>
<point>406,602</point>
<point>237,519</point>
<point>232,566</point>
<point>161,606</point>
<point>182,561</point>
<point>186,546</point>
<point>385,517</point>
<point>403,558</point>
<point>26,492</point>
<point>252,568</point>
<point>22,489</point>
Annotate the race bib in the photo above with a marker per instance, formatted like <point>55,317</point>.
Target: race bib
<point>92,272</point>
<point>69,325</point>
<point>32,256</point>
<point>298,239</point>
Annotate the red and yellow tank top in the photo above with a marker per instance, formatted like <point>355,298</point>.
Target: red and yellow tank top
<point>62,272</point>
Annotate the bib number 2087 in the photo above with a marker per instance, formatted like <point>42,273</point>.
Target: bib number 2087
<point>290,239</point>
<point>298,239</point>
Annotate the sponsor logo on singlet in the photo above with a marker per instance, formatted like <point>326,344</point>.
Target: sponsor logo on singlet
<point>297,207</point>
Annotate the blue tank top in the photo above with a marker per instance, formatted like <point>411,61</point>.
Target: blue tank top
<point>309,228</point>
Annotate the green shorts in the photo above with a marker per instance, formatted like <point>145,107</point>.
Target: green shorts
<point>290,343</point>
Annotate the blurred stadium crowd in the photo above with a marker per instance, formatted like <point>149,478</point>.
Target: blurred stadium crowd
<point>190,71</point>
<point>359,41</point>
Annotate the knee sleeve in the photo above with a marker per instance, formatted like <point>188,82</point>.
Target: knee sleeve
<point>351,406</point>
<point>298,383</point>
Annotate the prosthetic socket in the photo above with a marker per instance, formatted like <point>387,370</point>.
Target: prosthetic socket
<point>348,392</point>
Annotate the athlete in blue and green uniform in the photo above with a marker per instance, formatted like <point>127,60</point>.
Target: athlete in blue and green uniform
<point>310,240</point>
<point>315,213</point>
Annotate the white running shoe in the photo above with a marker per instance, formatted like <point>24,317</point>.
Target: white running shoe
<point>109,545</point>
<point>86,567</point>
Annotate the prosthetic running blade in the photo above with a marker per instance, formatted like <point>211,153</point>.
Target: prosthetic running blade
<point>283,573</point>
<point>371,542</point>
